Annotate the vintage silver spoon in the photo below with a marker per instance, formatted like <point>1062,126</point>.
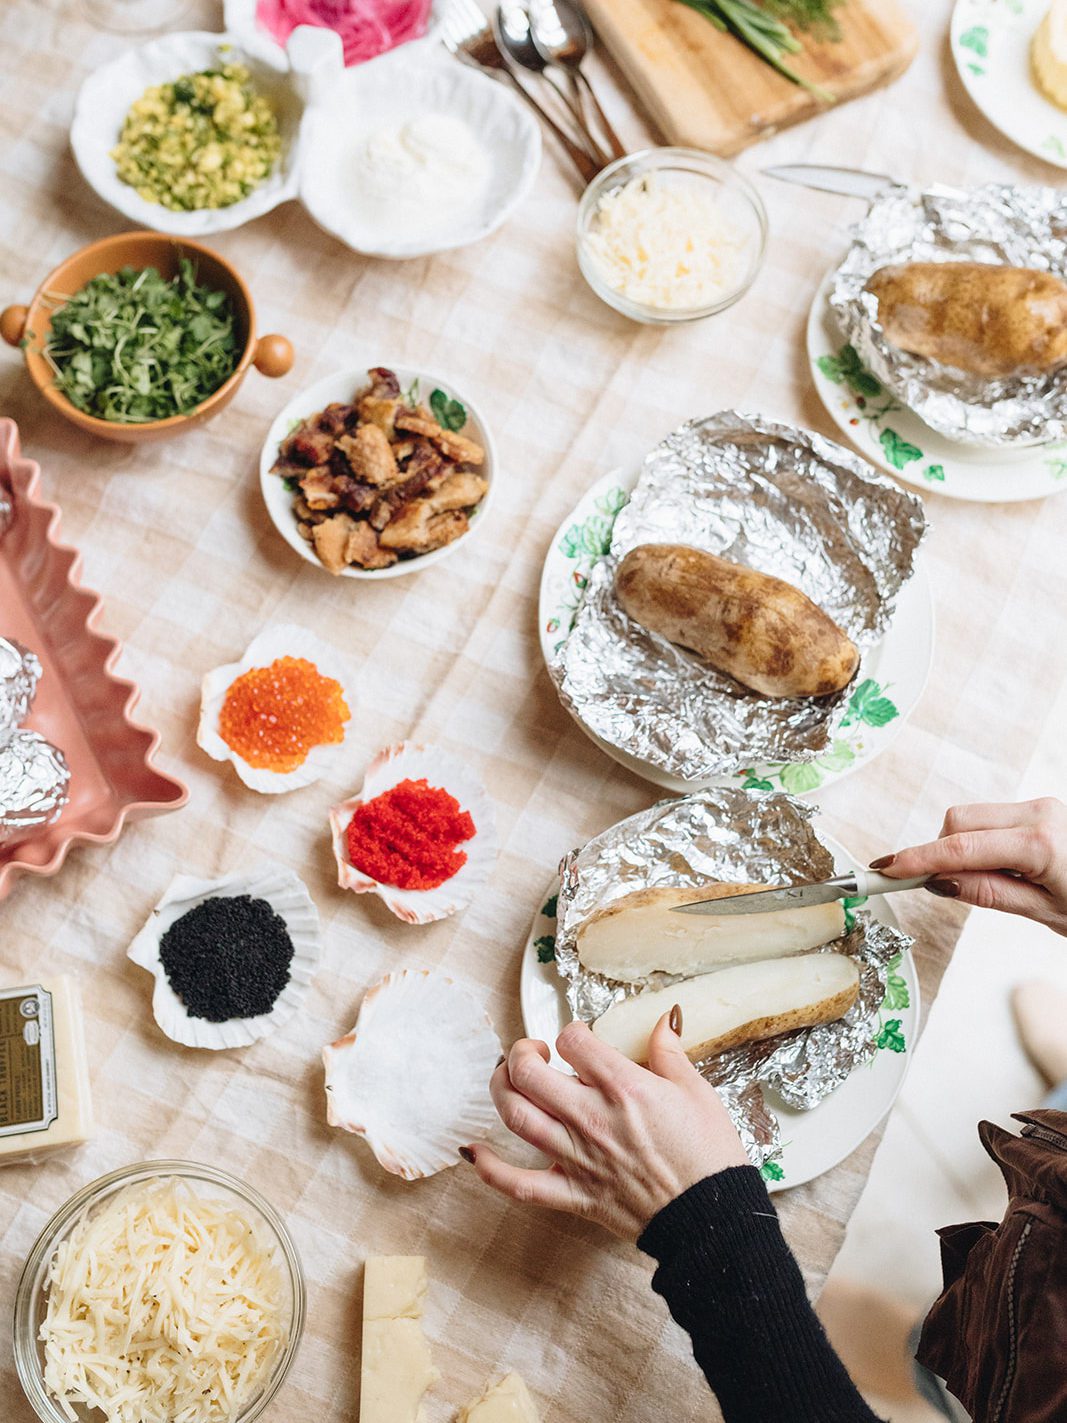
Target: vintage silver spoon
<point>511,27</point>
<point>562,35</point>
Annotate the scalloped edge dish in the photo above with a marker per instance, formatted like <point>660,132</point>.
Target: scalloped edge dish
<point>414,760</point>
<point>81,706</point>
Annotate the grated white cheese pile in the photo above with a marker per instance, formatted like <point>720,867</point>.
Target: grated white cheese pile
<point>162,1307</point>
<point>668,245</point>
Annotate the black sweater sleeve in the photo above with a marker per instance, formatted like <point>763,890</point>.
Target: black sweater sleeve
<point>730,1279</point>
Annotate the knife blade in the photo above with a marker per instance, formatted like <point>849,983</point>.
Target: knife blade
<point>857,884</point>
<point>848,182</point>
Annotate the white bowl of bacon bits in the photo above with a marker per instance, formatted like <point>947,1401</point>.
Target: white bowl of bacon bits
<point>371,473</point>
<point>419,834</point>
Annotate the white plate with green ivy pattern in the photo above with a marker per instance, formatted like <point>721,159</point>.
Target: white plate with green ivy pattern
<point>990,42</point>
<point>894,673</point>
<point>812,1142</point>
<point>896,440</point>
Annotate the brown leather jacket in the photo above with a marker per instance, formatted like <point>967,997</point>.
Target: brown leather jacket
<point>998,1333</point>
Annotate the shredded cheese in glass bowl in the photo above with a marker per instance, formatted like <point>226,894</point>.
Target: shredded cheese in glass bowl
<point>670,234</point>
<point>165,1291</point>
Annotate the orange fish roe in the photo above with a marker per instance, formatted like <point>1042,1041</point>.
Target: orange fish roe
<point>273,716</point>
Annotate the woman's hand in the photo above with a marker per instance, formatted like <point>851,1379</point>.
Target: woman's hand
<point>1009,857</point>
<point>623,1140</point>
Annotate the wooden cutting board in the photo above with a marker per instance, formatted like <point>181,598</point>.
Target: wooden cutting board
<point>707,90</point>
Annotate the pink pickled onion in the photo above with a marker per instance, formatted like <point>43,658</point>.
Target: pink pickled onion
<point>366,27</point>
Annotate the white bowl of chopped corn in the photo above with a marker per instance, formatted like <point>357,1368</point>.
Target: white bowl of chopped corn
<point>189,134</point>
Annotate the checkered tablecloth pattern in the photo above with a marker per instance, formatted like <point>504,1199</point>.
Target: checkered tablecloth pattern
<point>177,539</point>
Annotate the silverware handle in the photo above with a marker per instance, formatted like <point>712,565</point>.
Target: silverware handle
<point>586,166</point>
<point>613,138</point>
<point>571,95</point>
<point>870,882</point>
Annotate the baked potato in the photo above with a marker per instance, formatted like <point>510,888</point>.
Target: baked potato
<point>761,631</point>
<point>639,935</point>
<point>745,1004</point>
<point>989,320</point>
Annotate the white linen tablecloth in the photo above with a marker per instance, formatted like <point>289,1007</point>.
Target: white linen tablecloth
<point>176,538</point>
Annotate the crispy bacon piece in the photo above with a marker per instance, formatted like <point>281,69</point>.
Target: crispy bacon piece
<point>459,491</point>
<point>452,445</point>
<point>417,529</point>
<point>330,539</point>
<point>370,456</point>
<point>383,383</point>
<point>364,549</point>
<point>318,490</point>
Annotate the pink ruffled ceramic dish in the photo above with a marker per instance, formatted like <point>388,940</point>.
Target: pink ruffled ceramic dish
<point>81,706</point>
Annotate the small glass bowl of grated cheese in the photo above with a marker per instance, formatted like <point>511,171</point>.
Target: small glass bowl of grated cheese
<point>670,234</point>
<point>164,1290</point>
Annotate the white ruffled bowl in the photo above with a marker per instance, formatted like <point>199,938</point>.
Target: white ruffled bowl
<point>412,761</point>
<point>285,640</point>
<point>106,96</point>
<point>393,90</point>
<point>287,895</point>
<point>342,386</point>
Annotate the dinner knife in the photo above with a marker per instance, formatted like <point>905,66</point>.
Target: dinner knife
<point>847,182</point>
<point>857,884</point>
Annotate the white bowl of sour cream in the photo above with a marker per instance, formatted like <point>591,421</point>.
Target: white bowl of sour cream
<point>409,156</point>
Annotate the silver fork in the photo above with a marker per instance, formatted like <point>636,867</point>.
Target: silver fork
<point>468,35</point>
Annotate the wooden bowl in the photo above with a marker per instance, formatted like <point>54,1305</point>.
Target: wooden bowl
<point>271,355</point>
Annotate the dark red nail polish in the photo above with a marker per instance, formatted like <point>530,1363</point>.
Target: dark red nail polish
<point>945,888</point>
<point>882,863</point>
<point>467,1154</point>
<point>675,1021</point>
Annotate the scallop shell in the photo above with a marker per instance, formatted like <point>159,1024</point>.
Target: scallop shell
<point>412,761</point>
<point>412,1077</point>
<point>287,895</point>
<point>285,640</point>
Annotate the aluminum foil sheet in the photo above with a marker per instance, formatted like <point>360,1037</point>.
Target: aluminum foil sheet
<point>1011,226</point>
<point>782,500</point>
<point>34,777</point>
<point>20,671</point>
<point>732,835</point>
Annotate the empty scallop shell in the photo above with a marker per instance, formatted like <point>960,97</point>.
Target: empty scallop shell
<point>287,895</point>
<point>412,1076</point>
<point>285,640</point>
<point>411,761</point>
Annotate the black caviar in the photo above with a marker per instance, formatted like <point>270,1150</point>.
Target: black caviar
<point>227,958</point>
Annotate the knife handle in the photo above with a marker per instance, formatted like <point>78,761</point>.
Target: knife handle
<point>870,882</point>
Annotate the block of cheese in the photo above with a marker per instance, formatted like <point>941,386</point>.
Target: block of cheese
<point>396,1368</point>
<point>640,934</point>
<point>506,1401</point>
<point>44,1078</point>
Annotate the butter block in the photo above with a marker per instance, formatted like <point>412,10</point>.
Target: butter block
<point>506,1401</point>
<point>396,1367</point>
<point>45,1104</point>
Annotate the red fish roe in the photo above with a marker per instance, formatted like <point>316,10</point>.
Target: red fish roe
<point>408,836</point>
<point>273,716</point>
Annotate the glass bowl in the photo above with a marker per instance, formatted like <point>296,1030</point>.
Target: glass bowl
<point>30,1295</point>
<point>739,201</point>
